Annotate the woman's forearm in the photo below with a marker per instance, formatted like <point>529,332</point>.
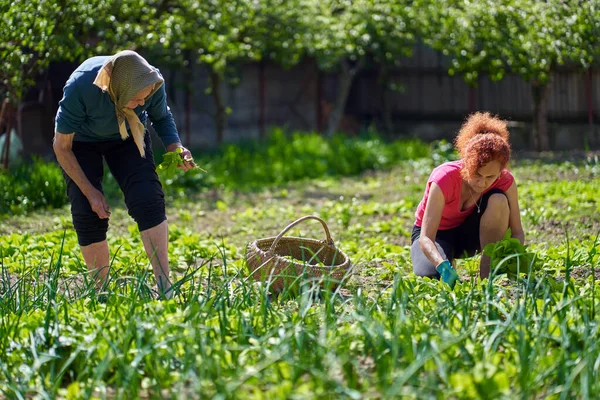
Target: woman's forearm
<point>430,250</point>
<point>69,163</point>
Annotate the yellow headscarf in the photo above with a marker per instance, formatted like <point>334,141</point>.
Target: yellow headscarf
<point>124,75</point>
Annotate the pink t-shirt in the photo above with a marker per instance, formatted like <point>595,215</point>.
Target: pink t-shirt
<point>448,178</point>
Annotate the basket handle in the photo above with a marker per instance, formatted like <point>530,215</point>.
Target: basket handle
<point>329,240</point>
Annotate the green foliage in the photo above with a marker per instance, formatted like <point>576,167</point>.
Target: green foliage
<point>218,31</point>
<point>508,256</point>
<point>34,33</point>
<point>583,36</point>
<point>289,157</point>
<point>283,30</point>
<point>137,24</point>
<point>492,38</point>
<point>339,30</point>
<point>281,159</point>
<point>171,161</point>
<point>224,34</point>
<point>528,38</point>
<point>27,187</point>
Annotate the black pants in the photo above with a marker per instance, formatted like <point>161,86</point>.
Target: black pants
<point>135,175</point>
<point>459,242</point>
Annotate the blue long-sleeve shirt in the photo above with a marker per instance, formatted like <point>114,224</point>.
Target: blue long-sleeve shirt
<point>89,112</point>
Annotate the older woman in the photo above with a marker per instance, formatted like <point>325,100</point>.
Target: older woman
<point>102,116</point>
<point>467,203</point>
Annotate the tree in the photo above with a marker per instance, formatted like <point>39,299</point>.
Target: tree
<point>348,34</point>
<point>584,39</point>
<point>587,31</point>
<point>35,32</point>
<point>32,34</point>
<point>529,38</point>
<point>282,29</point>
<point>216,33</point>
<point>225,34</point>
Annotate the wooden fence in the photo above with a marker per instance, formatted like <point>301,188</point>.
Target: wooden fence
<point>268,95</point>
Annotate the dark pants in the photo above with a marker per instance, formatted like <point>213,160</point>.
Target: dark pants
<point>135,175</point>
<point>459,242</point>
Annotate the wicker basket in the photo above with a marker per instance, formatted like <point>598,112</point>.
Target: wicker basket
<point>268,263</point>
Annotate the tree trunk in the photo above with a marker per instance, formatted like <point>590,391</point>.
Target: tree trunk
<point>347,75</point>
<point>220,112</point>
<point>541,94</point>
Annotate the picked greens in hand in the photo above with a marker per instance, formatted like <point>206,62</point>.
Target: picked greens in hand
<point>508,256</point>
<point>172,160</point>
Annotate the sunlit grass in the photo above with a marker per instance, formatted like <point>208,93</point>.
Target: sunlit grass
<point>223,334</point>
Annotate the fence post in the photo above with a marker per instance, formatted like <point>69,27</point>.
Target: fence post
<point>588,95</point>
<point>261,98</point>
<point>472,99</point>
<point>318,101</point>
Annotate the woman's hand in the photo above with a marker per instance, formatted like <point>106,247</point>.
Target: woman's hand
<point>188,160</point>
<point>98,203</point>
<point>447,273</point>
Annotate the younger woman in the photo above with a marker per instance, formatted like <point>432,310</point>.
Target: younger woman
<point>467,203</point>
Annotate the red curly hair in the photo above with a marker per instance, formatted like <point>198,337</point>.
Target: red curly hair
<point>481,139</point>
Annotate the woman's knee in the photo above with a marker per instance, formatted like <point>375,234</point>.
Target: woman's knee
<point>421,264</point>
<point>148,214</point>
<point>88,226</point>
<point>146,203</point>
<point>90,229</point>
<point>498,204</point>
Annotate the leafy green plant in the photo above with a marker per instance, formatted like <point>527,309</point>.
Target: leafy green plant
<point>382,333</point>
<point>173,160</point>
<point>508,256</point>
<point>31,186</point>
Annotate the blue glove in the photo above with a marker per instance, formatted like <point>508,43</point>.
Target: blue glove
<point>448,273</point>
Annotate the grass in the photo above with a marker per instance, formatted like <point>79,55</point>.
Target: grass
<point>383,334</point>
